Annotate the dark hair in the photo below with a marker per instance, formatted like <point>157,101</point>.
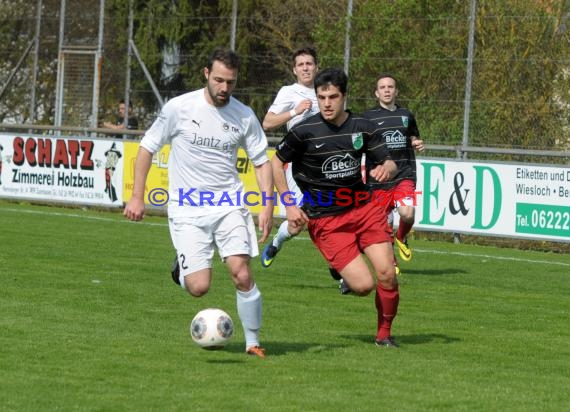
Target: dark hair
<point>385,75</point>
<point>306,50</point>
<point>122,101</point>
<point>228,57</point>
<point>333,76</point>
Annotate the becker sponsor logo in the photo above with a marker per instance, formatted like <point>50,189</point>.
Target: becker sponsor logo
<point>340,166</point>
<point>395,137</point>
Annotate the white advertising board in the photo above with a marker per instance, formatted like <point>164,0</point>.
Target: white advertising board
<point>518,200</point>
<point>68,170</point>
<point>512,200</point>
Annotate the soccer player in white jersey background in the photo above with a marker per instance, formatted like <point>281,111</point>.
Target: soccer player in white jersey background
<point>293,103</point>
<point>205,128</point>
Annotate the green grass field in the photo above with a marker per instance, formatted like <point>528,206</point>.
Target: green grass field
<point>91,321</point>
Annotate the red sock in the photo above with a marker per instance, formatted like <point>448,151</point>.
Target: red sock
<point>386,301</point>
<point>403,229</point>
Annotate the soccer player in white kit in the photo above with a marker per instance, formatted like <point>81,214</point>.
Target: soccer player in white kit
<point>205,128</point>
<point>292,104</point>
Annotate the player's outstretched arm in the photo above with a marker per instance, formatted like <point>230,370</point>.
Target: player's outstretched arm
<point>264,177</point>
<point>279,174</point>
<point>274,120</point>
<point>134,209</point>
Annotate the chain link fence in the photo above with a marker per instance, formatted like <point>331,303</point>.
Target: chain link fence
<point>506,108</point>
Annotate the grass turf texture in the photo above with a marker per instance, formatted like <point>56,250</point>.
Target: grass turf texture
<point>92,321</point>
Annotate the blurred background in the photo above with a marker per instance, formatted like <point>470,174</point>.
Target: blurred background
<point>490,76</point>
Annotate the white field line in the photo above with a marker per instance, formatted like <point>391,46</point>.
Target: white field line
<point>86,217</point>
<point>476,255</point>
<point>434,252</point>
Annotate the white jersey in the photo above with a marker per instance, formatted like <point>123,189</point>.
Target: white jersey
<point>204,140</point>
<point>288,98</point>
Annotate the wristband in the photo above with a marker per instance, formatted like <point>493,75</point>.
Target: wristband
<point>293,113</point>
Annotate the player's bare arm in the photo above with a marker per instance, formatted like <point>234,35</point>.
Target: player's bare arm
<point>385,171</point>
<point>134,209</point>
<point>274,120</point>
<point>264,177</point>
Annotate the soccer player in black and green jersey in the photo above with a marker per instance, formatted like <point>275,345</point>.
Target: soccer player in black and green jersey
<point>326,151</point>
<point>399,127</point>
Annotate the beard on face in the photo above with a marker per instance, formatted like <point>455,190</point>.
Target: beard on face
<point>220,99</point>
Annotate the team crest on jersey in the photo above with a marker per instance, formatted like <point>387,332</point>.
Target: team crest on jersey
<point>357,140</point>
<point>405,121</point>
<point>227,127</point>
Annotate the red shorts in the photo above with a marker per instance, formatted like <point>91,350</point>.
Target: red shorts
<point>403,194</point>
<point>341,238</point>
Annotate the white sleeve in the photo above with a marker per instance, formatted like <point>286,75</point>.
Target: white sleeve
<point>160,133</point>
<point>255,141</point>
<point>283,102</point>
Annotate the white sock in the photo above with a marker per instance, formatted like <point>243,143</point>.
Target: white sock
<point>282,235</point>
<point>249,311</point>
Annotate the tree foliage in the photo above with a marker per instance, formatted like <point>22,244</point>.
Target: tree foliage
<point>521,65</point>
<point>519,54</point>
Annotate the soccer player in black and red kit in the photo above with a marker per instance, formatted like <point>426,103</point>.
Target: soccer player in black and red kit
<point>326,151</point>
<point>400,130</point>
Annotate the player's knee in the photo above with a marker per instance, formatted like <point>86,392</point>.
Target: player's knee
<point>361,292</point>
<point>197,290</point>
<point>244,283</point>
<point>363,287</point>
<point>195,286</point>
<point>243,279</point>
<point>387,278</point>
<point>388,285</point>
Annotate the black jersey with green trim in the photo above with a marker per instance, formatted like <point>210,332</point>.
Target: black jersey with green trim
<point>397,127</point>
<point>327,161</point>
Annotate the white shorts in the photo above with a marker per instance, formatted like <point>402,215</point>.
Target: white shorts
<point>194,238</point>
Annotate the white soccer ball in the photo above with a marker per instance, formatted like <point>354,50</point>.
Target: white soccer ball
<point>211,328</point>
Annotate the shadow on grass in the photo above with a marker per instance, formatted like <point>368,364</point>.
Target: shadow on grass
<point>324,286</point>
<point>283,348</point>
<point>417,339</point>
<point>329,283</point>
<point>225,361</point>
<point>433,272</point>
